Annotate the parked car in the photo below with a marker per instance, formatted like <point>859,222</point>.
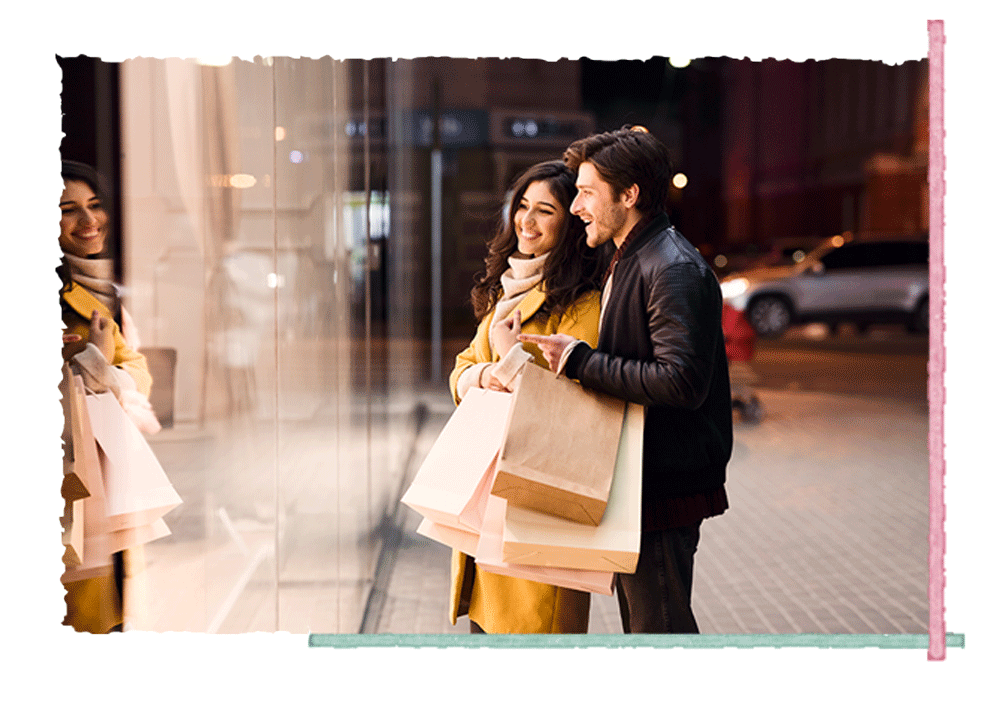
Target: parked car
<point>842,280</point>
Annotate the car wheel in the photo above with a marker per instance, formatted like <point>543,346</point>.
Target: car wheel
<point>920,319</point>
<point>769,316</point>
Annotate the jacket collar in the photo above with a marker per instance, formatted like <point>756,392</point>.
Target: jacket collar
<point>530,304</point>
<point>78,298</point>
<point>653,226</point>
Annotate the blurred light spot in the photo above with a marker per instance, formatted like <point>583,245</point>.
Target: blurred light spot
<point>279,133</point>
<point>531,128</point>
<point>517,128</point>
<point>275,280</point>
<point>296,156</point>
<point>679,62</point>
<point>734,287</point>
<point>680,180</point>
<point>351,129</point>
<point>214,61</point>
<point>838,241</point>
<point>720,261</point>
<point>242,181</point>
<point>269,61</point>
<point>798,255</point>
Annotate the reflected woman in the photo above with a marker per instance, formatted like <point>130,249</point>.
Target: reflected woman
<point>540,278</point>
<point>94,343</point>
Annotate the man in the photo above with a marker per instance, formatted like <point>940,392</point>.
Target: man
<point>660,345</point>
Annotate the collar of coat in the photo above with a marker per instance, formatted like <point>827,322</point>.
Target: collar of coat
<point>658,223</point>
<point>530,304</point>
<point>81,300</point>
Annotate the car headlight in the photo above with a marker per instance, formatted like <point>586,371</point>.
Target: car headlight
<point>734,287</point>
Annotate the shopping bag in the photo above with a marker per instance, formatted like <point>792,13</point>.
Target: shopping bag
<point>452,483</point>
<point>488,556</point>
<point>535,538</point>
<point>136,490</point>
<point>93,556</point>
<point>461,539</point>
<point>73,487</point>
<point>559,446</point>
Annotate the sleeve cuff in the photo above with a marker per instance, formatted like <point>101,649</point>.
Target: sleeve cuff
<point>510,364</point>
<point>565,355</point>
<point>469,379</point>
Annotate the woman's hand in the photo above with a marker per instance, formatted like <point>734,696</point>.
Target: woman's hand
<point>101,336</point>
<point>505,333</point>
<point>488,381</point>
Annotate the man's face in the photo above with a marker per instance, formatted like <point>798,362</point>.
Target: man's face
<point>595,203</point>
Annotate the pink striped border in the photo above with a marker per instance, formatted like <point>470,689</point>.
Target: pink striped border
<point>935,385</point>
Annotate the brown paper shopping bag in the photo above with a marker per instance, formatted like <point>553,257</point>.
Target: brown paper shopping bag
<point>489,555</point>
<point>558,453</point>
<point>93,556</point>
<point>452,483</point>
<point>534,538</point>
<point>136,490</point>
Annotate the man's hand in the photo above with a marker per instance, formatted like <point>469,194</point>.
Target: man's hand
<point>552,346</point>
<point>505,333</point>
<point>101,337</point>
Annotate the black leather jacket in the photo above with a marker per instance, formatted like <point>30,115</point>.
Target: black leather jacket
<point>661,345</point>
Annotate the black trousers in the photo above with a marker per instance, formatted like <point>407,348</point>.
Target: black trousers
<point>657,597</point>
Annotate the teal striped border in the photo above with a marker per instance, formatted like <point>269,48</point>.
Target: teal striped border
<point>846,642</point>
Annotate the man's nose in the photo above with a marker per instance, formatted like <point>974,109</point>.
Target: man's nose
<point>574,206</point>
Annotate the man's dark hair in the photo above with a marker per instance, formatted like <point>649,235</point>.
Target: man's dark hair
<point>628,156</point>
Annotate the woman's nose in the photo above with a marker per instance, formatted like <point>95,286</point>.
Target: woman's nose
<point>89,216</point>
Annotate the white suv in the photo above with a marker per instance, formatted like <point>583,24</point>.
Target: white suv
<point>842,280</point>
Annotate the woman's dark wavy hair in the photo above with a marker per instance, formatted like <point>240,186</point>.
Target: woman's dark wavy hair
<point>73,170</point>
<point>571,269</point>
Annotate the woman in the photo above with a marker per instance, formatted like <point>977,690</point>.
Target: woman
<point>95,345</point>
<point>540,278</point>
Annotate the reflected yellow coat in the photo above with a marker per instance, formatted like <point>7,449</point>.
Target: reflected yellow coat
<point>501,604</point>
<point>93,605</point>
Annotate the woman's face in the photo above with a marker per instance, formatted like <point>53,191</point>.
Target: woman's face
<point>538,220</point>
<point>84,223</point>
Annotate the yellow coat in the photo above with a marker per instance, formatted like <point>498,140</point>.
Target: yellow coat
<point>93,604</point>
<point>77,322</point>
<point>501,604</point>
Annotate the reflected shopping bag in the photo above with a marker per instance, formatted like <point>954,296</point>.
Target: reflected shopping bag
<point>488,556</point>
<point>535,538</point>
<point>452,484</point>
<point>137,492</point>
<point>558,453</point>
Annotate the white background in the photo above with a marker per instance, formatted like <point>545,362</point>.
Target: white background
<point>46,662</point>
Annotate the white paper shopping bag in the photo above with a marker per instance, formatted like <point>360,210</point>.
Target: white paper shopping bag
<point>489,558</point>
<point>453,482</point>
<point>536,538</point>
<point>461,539</point>
<point>136,490</point>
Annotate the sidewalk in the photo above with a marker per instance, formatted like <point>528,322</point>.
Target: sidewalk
<point>826,531</point>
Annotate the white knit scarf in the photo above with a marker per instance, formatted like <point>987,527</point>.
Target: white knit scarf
<point>522,275</point>
<point>94,274</point>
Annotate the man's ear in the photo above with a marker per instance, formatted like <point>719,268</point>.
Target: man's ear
<point>630,195</point>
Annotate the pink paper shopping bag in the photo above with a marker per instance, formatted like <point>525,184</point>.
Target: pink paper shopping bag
<point>489,558</point>
<point>451,485</point>
<point>136,490</point>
